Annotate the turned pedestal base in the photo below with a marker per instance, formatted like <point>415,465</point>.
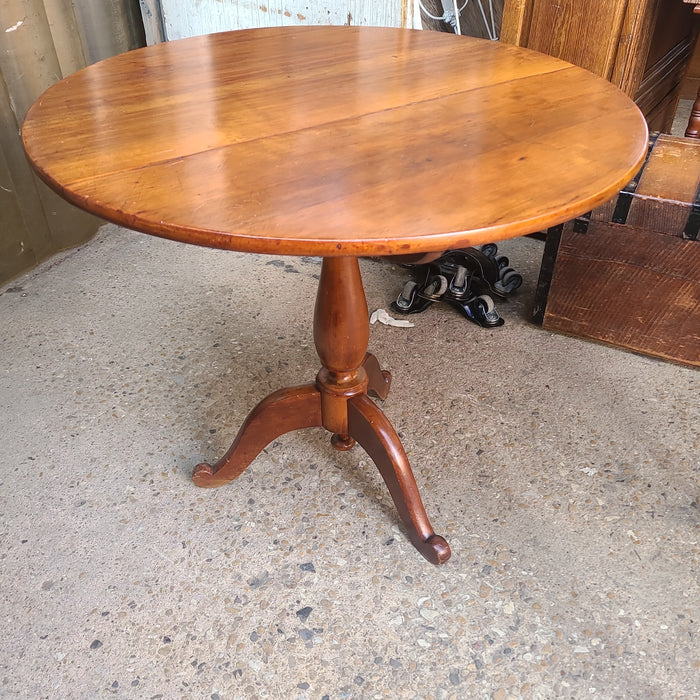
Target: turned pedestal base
<point>338,401</point>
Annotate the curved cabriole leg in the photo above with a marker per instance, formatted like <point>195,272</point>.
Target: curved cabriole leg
<point>373,431</point>
<point>279,413</point>
<point>379,379</point>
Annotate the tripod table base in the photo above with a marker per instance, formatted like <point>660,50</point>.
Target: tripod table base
<point>339,402</point>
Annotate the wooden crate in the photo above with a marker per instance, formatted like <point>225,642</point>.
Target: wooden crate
<point>628,273</point>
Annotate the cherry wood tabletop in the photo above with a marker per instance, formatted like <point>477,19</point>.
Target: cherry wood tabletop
<point>335,141</point>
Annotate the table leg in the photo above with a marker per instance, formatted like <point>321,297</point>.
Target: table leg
<point>373,431</point>
<point>693,129</point>
<point>279,413</point>
<point>379,379</point>
<point>338,401</point>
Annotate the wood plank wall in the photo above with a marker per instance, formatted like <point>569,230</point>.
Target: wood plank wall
<point>40,42</point>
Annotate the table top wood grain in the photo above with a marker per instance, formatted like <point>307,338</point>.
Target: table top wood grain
<point>335,140</point>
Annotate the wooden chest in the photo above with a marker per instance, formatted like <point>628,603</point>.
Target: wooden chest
<point>628,273</point>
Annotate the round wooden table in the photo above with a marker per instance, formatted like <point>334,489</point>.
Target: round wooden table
<point>336,142</point>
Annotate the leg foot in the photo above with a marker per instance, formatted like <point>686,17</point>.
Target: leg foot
<point>279,413</point>
<point>373,431</point>
<point>379,379</point>
<point>342,442</point>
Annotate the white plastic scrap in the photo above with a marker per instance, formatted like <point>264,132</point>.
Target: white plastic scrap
<point>383,317</point>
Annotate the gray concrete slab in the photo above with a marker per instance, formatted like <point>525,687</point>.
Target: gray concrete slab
<point>564,474</point>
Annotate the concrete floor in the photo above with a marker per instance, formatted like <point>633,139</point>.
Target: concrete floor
<point>564,474</point>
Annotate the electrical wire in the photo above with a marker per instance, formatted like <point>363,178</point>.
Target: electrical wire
<point>452,17</point>
<point>438,19</point>
<point>457,12</point>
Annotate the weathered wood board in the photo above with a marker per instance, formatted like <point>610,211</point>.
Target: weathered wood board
<point>182,18</point>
